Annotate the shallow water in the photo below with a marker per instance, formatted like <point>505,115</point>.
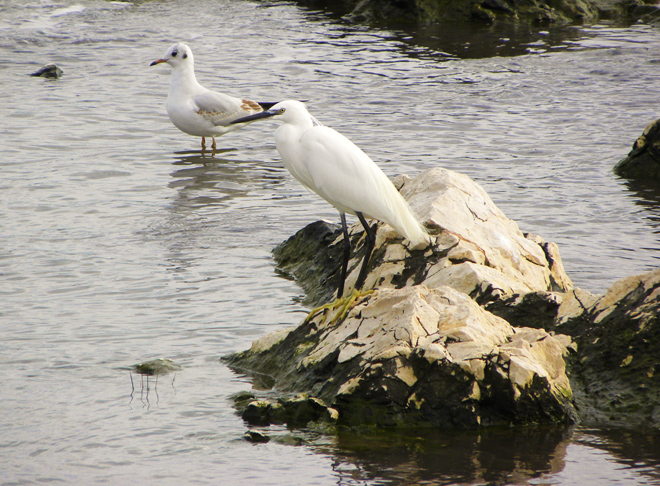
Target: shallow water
<point>120,243</point>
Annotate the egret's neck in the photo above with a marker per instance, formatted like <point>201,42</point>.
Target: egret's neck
<point>288,139</point>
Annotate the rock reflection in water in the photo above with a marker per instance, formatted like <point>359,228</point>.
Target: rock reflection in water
<point>436,457</point>
<point>647,196</point>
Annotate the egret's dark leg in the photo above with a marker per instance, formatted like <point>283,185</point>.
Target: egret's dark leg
<point>347,255</point>
<point>370,241</point>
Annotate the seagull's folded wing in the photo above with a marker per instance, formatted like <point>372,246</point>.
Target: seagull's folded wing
<point>221,109</point>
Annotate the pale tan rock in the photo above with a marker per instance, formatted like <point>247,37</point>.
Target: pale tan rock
<point>487,256</point>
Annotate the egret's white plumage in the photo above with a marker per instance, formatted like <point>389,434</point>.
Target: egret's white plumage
<point>332,166</point>
<point>196,110</point>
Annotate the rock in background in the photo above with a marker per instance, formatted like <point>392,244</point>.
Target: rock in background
<point>643,161</point>
<point>425,12</point>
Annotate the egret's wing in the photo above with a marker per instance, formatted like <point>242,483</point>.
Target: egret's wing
<point>345,176</point>
<point>221,109</point>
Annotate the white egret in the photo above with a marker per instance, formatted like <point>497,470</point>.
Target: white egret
<point>330,165</point>
<point>196,110</point>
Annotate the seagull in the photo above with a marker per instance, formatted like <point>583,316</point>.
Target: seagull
<point>196,110</point>
<point>329,164</point>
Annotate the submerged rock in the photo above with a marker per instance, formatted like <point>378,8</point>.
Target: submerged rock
<point>643,161</point>
<point>48,71</point>
<point>159,366</point>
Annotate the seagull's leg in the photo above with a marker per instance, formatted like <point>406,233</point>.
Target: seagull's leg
<point>213,144</point>
<point>203,144</point>
<point>370,241</point>
<point>347,255</point>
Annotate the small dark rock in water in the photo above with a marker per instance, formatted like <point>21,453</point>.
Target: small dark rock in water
<point>643,161</point>
<point>254,436</point>
<point>159,366</point>
<point>48,71</point>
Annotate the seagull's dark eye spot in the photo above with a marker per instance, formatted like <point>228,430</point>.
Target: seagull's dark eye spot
<point>174,53</point>
<point>185,56</point>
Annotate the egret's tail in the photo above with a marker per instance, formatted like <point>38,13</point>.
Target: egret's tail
<point>402,218</point>
<point>409,226</point>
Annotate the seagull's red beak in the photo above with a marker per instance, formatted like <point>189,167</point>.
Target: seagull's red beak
<point>157,61</point>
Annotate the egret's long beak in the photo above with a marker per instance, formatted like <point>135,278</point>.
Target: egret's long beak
<point>157,61</point>
<point>256,116</point>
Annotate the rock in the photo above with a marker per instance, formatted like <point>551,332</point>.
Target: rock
<point>477,249</point>
<point>48,71</point>
<point>308,255</point>
<point>256,437</point>
<point>484,328</point>
<point>160,366</point>
<point>616,372</point>
<point>486,11</point>
<point>643,161</point>
<point>297,411</point>
<point>420,350</point>
<point>422,357</point>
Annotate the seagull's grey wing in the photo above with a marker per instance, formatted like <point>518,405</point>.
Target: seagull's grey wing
<point>221,109</point>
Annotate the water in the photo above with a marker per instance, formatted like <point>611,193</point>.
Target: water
<point>119,243</point>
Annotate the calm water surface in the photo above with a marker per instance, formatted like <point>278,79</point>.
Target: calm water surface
<point>119,243</point>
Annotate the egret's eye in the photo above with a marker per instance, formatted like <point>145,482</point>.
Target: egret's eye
<point>174,53</point>
<point>282,110</point>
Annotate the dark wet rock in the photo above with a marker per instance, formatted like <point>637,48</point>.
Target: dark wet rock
<point>307,256</point>
<point>48,71</point>
<point>616,372</point>
<point>489,11</point>
<point>297,410</point>
<point>256,437</point>
<point>643,161</point>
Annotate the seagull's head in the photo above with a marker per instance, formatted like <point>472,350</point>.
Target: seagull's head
<point>289,111</point>
<point>177,55</point>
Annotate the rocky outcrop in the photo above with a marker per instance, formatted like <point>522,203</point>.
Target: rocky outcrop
<point>421,349</point>
<point>643,161</point>
<point>486,11</point>
<point>415,356</point>
<point>616,373</point>
<point>483,328</point>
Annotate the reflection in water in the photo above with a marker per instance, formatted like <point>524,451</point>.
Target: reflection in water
<point>528,456</point>
<point>205,181</point>
<point>636,450</point>
<point>469,40</point>
<point>432,457</point>
<point>647,196</point>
